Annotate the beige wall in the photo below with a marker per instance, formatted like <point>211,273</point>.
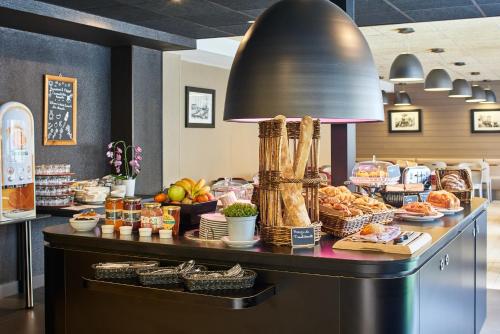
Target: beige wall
<point>445,132</point>
<point>231,149</point>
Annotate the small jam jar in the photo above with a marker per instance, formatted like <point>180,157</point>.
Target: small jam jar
<point>114,211</point>
<point>152,216</point>
<point>132,212</point>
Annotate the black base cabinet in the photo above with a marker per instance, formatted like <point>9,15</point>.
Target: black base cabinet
<point>443,294</point>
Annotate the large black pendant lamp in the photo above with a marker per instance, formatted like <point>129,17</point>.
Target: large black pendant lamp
<point>304,57</point>
<point>438,80</point>
<point>402,99</point>
<point>406,67</point>
<point>461,88</point>
<point>490,96</point>
<point>478,95</point>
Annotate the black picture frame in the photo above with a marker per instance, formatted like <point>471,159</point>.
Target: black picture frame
<point>189,104</point>
<point>475,129</point>
<point>415,112</point>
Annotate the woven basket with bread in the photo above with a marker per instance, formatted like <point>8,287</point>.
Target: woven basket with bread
<point>455,181</point>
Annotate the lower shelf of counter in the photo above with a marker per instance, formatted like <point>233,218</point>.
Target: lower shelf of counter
<point>230,299</point>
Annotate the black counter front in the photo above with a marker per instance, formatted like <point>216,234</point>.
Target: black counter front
<point>312,289</point>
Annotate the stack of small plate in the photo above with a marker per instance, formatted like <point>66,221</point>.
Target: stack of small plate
<point>213,226</point>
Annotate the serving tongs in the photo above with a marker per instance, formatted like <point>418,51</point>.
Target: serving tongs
<point>182,268</point>
<point>236,271</point>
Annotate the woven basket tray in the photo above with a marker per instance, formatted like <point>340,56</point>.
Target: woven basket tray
<point>464,196</point>
<point>123,273</point>
<point>281,236</point>
<point>152,276</point>
<point>381,217</point>
<point>338,225</point>
<point>396,198</point>
<point>220,283</point>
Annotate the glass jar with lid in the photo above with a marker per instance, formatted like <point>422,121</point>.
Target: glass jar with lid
<point>132,212</point>
<point>114,212</point>
<point>152,216</point>
<point>241,188</point>
<point>375,172</point>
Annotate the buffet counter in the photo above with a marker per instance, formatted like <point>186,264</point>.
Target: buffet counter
<point>297,290</point>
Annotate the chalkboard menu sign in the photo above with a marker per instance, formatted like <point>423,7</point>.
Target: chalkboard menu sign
<point>60,110</point>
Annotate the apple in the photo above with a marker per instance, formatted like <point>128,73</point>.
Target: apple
<point>176,193</point>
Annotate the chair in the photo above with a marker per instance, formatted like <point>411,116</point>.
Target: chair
<point>487,180</point>
<point>433,165</point>
<point>476,170</point>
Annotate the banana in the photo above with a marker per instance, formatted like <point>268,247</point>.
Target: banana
<point>204,190</point>
<point>190,180</point>
<point>186,185</point>
<point>199,185</point>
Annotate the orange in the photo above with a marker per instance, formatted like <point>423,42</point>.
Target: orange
<point>202,198</point>
<point>160,197</point>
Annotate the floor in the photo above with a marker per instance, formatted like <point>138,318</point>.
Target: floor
<point>15,320</point>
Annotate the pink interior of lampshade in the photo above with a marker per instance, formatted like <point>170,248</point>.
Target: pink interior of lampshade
<point>323,120</point>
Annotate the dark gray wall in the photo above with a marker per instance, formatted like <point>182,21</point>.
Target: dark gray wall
<point>147,116</point>
<point>24,59</point>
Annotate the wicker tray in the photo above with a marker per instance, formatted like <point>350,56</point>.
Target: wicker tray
<point>464,196</point>
<point>123,273</point>
<point>381,217</point>
<point>336,224</point>
<point>396,198</point>
<point>154,276</point>
<point>281,236</point>
<point>194,283</point>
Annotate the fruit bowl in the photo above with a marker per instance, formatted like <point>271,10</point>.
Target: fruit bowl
<point>190,214</point>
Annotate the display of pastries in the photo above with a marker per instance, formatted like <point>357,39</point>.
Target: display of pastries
<point>423,208</point>
<point>443,199</point>
<point>453,182</point>
<point>343,200</point>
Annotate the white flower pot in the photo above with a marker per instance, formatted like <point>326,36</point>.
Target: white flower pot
<point>241,228</point>
<point>129,187</point>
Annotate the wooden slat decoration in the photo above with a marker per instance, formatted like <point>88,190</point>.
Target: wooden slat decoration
<point>60,110</point>
<point>446,130</point>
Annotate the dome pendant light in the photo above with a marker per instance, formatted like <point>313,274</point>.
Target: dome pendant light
<point>313,68</point>
<point>406,67</point>
<point>461,88</point>
<point>402,99</point>
<point>438,80</point>
<point>490,96</point>
<point>385,98</point>
<point>478,95</point>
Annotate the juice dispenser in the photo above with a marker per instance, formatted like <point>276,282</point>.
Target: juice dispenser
<point>17,154</point>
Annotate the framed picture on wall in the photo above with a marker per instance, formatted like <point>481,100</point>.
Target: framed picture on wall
<point>200,108</point>
<point>405,120</point>
<point>485,121</point>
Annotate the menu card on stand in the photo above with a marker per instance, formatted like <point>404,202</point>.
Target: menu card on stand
<point>60,110</point>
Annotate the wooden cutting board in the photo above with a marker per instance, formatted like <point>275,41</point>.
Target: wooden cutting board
<point>415,241</point>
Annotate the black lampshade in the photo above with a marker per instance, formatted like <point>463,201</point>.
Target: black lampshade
<point>490,96</point>
<point>461,88</point>
<point>304,57</point>
<point>438,80</point>
<point>478,95</point>
<point>385,98</point>
<point>402,99</point>
<point>406,68</point>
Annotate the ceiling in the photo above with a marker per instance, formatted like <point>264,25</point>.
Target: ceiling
<point>473,41</point>
<point>224,18</point>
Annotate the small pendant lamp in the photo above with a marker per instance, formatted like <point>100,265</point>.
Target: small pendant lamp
<point>406,67</point>
<point>490,96</point>
<point>402,99</point>
<point>461,88</point>
<point>478,95</point>
<point>438,80</point>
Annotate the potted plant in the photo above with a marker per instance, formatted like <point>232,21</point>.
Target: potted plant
<point>125,160</point>
<point>241,219</point>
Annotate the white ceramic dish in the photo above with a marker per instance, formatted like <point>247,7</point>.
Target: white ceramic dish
<point>449,212</point>
<point>165,234</point>
<point>415,218</point>
<point>83,225</point>
<point>145,231</point>
<point>107,229</point>
<point>240,244</point>
<point>125,230</point>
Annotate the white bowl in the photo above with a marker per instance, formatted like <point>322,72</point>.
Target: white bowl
<point>165,234</point>
<point>125,230</point>
<point>108,229</point>
<point>83,225</point>
<point>145,231</point>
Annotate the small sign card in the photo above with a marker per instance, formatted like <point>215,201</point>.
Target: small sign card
<point>410,199</point>
<point>393,171</point>
<point>302,236</point>
<point>423,196</point>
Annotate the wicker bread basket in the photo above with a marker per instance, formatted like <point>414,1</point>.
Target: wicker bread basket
<point>281,235</point>
<point>464,196</point>
<point>338,225</point>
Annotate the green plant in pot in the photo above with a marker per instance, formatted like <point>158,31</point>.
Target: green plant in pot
<point>241,219</point>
